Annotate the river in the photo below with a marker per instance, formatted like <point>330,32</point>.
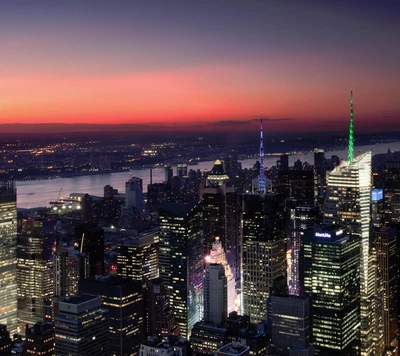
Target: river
<point>38,193</point>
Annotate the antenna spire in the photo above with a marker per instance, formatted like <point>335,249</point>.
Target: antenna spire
<point>261,177</point>
<point>351,130</point>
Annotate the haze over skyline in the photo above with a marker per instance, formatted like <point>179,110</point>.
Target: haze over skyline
<point>200,65</point>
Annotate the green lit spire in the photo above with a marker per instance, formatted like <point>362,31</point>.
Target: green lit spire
<point>351,129</point>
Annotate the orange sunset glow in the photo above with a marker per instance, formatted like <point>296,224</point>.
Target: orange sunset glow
<point>122,72</point>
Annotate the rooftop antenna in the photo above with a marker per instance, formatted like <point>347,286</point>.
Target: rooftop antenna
<point>261,177</point>
<point>351,130</point>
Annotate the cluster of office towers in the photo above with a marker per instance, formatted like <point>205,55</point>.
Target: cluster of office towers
<point>310,262</point>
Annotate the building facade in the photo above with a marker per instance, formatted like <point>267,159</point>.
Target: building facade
<point>264,251</point>
<point>221,215</point>
<point>34,273</point>
<point>137,257</point>
<point>217,255</point>
<point>348,203</point>
<point>215,294</point>
<point>386,250</point>
<point>181,261</point>
<point>123,298</point>
<point>82,327</point>
<point>39,340</point>
<point>301,218</point>
<point>89,239</point>
<point>159,316</point>
<point>291,324</point>
<point>332,281</point>
<point>8,260</point>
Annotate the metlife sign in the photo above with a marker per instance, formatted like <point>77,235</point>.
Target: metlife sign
<point>323,234</point>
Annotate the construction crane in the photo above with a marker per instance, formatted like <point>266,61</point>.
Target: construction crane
<point>59,194</point>
<point>57,202</point>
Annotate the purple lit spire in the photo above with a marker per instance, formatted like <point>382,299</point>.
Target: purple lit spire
<point>261,177</point>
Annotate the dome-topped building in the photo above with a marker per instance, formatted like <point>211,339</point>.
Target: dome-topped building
<point>217,175</point>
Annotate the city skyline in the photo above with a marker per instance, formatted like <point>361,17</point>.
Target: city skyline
<point>199,66</point>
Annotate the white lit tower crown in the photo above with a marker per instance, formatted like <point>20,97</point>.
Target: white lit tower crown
<point>348,201</point>
<point>217,256</point>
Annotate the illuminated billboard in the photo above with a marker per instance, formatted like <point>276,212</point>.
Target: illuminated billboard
<point>377,194</point>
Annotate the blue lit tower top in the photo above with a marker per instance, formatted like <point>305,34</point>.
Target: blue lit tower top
<point>351,130</point>
<point>261,177</point>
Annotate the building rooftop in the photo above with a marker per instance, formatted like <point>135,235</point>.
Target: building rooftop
<point>204,325</point>
<point>154,341</point>
<point>145,238</point>
<point>234,348</point>
<point>114,281</point>
<point>80,298</point>
<point>179,209</point>
<point>40,329</point>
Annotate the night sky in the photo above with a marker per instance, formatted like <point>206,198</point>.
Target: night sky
<point>201,64</point>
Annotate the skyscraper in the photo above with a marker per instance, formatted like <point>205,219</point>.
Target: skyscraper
<point>231,166</point>
<point>181,260</point>
<point>134,193</point>
<point>8,265</point>
<point>137,257</point>
<point>221,215</point>
<point>319,157</point>
<point>301,218</point>
<point>5,341</point>
<point>299,184</point>
<point>386,245</point>
<point>81,328</point>
<point>123,298</point>
<point>215,294</point>
<point>377,208</point>
<point>217,255</point>
<point>264,251</point>
<point>34,273</point>
<point>348,202</point>
<point>291,324</point>
<point>391,186</point>
<point>160,318</point>
<point>89,239</point>
<point>69,266</point>
<point>331,280</point>
<point>39,339</point>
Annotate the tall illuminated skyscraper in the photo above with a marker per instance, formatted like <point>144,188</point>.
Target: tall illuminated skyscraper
<point>69,266</point>
<point>301,218</point>
<point>391,188</point>
<point>181,261</point>
<point>220,215</point>
<point>264,251</point>
<point>137,256</point>
<point>348,202</point>
<point>8,263</point>
<point>34,273</point>
<point>385,242</point>
<point>217,255</point>
<point>331,280</point>
<point>123,298</point>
